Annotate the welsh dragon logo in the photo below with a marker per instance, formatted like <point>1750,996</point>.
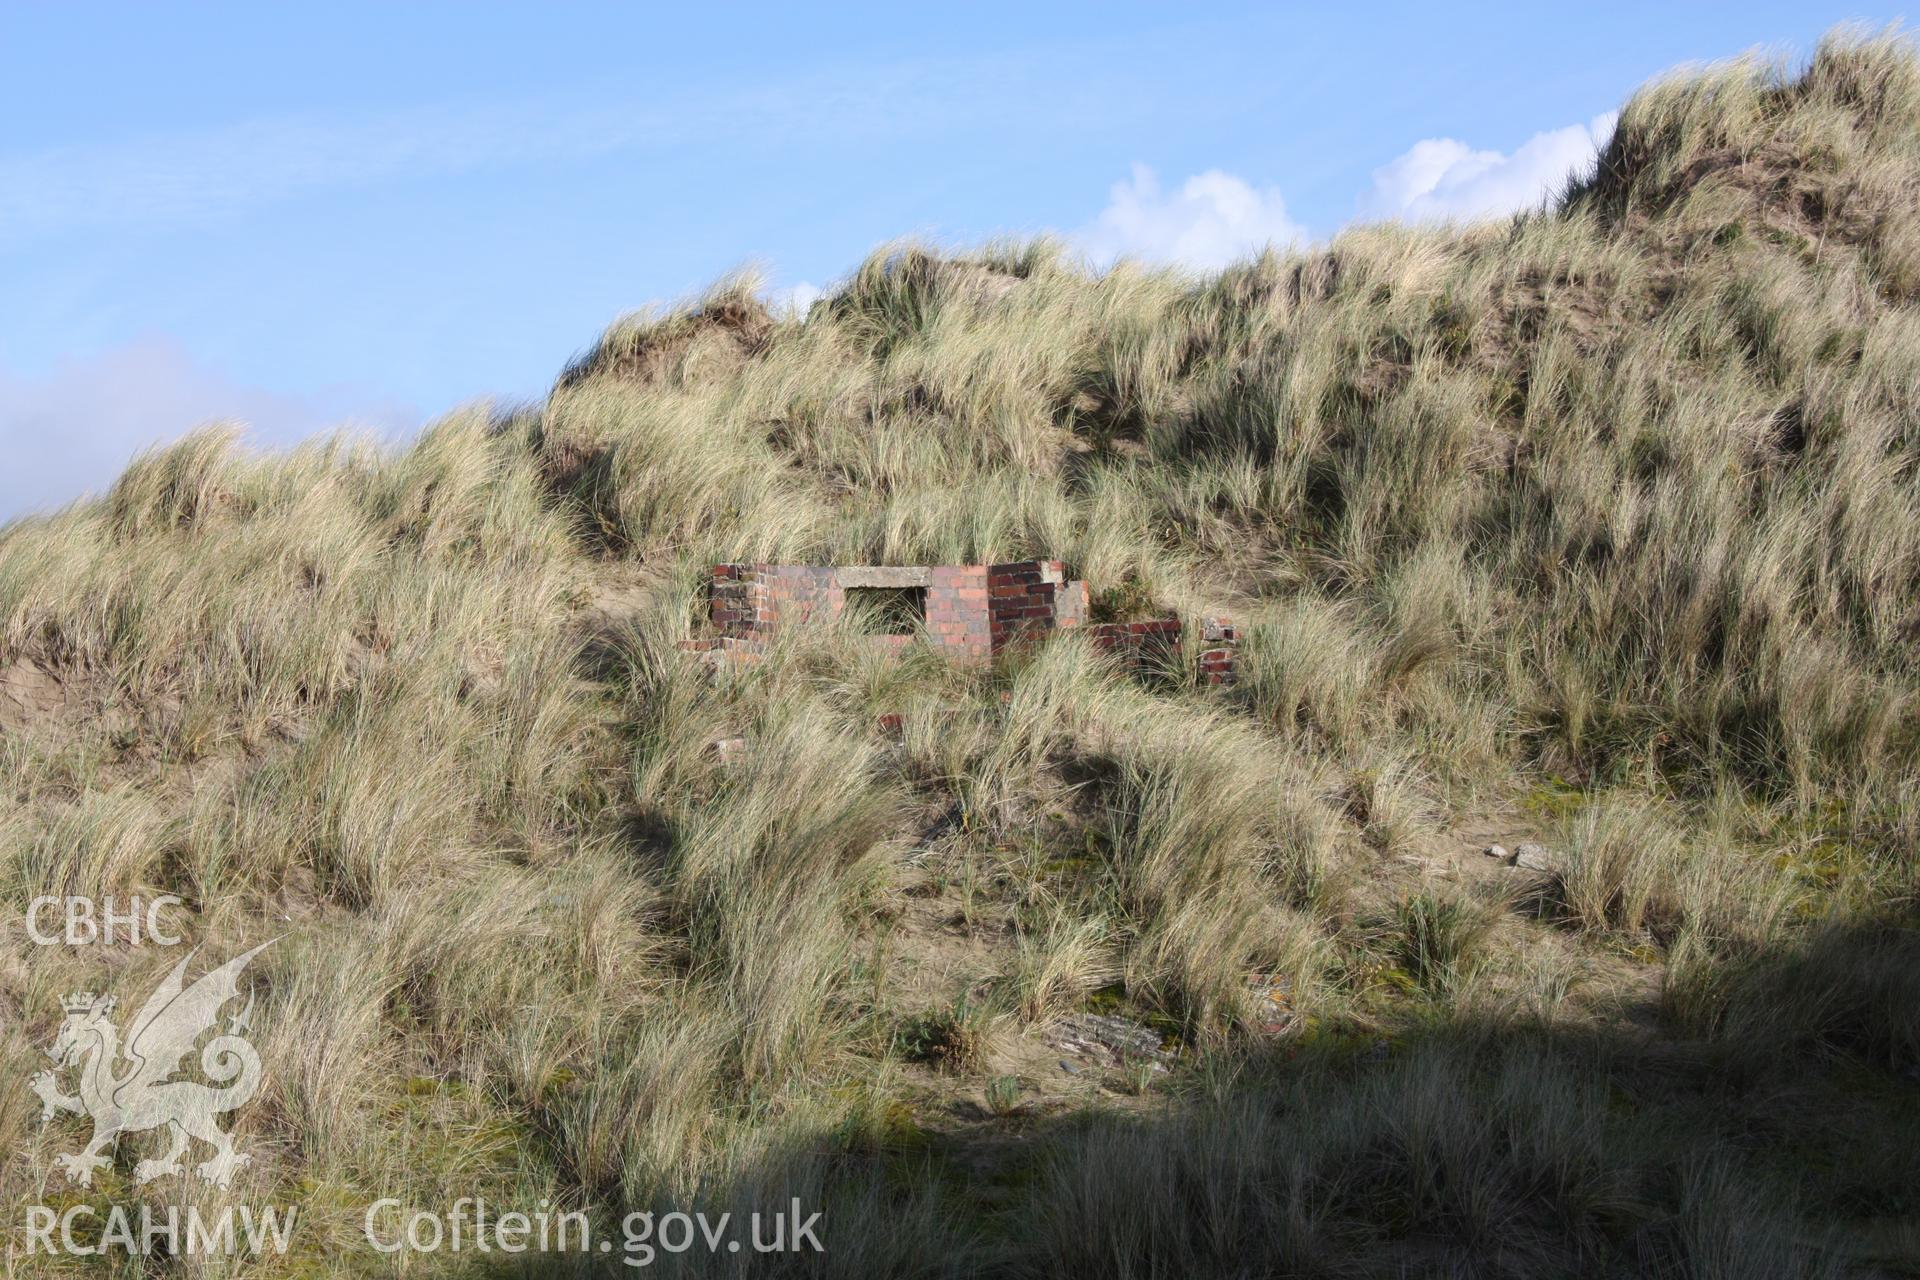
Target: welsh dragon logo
<point>141,1096</point>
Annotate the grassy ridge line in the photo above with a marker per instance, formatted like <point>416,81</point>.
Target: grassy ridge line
<point>1616,505</point>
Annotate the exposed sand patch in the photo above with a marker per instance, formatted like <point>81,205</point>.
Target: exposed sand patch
<point>29,693</point>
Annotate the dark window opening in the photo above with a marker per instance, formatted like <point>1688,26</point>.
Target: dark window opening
<point>888,611</point>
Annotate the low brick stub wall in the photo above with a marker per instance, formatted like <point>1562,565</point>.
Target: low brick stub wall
<point>734,599</point>
<point>1158,641</point>
<point>1020,600</point>
<point>973,612</point>
<point>1138,645</point>
<point>1219,638</point>
<point>754,600</point>
<point>957,613</point>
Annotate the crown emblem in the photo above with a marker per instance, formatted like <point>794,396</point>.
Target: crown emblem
<point>82,1002</point>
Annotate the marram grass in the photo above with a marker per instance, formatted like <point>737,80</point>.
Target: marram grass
<point>1602,522</point>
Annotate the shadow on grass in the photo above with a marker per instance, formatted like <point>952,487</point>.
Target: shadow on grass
<point>1779,1135</point>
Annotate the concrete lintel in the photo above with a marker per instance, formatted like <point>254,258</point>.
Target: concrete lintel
<point>883,576</point>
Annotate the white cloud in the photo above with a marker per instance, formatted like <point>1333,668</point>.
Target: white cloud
<point>71,431</point>
<point>1441,178</point>
<point>795,299</point>
<point>1212,220</point>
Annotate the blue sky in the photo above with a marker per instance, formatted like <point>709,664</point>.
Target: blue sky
<point>305,216</point>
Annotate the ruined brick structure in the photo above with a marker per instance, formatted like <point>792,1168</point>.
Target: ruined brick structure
<point>971,611</point>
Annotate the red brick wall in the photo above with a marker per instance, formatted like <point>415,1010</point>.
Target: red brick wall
<point>1138,644</point>
<point>1020,600</point>
<point>756,599</point>
<point>973,611</point>
<point>1157,642</point>
<point>957,616</point>
<point>796,593</point>
<point>733,599</point>
<point>1219,637</point>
